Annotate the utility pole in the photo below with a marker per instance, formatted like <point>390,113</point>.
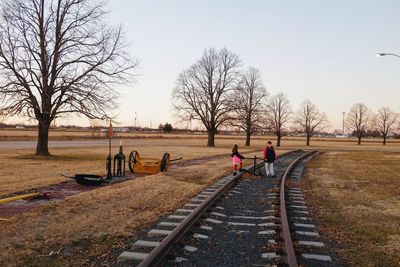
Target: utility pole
<point>344,113</point>
<point>135,119</point>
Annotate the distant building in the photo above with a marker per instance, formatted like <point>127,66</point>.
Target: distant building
<point>121,129</point>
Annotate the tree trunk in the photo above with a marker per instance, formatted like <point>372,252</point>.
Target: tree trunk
<point>211,138</point>
<point>278,142</point>
<point>384,139</point>
<point>359,140</point>
<point>308,140</point>
<point>42,148</point>
<point>248,134</point>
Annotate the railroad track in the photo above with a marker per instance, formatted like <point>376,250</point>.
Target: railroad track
<point>237,222</point>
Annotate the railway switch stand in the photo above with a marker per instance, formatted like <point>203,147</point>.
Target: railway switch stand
<point>119,163</point>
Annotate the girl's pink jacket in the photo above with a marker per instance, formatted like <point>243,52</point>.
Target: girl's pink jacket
<point>236,160</point>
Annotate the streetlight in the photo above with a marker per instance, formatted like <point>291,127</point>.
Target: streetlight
<point>387,54</point>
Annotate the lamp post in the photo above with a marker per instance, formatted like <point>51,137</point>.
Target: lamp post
<point>387,54</point>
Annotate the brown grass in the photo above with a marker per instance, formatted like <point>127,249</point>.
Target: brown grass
<point>108,213</point>
<point>117,212</point>
<point>22,171</point>
<point>121,209</point>
<point>356,197</point>
<point>57,134</point>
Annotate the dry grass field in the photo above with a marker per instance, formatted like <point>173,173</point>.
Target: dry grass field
<point>87,234</point>
<point>355,195</point>
<point>115,212</point>
<point>31,134</point>
<point>24,171</point>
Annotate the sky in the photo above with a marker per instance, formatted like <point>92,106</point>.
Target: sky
<point>311,49</point>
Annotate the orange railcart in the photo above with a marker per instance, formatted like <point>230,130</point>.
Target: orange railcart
<point>148,165</point>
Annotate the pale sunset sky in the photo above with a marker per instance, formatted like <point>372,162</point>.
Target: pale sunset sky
<point>312,49</point>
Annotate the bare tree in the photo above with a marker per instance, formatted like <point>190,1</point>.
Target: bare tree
<point>59,58</point>
<point>248,102</point>
<point>358,120</point>
<point>203,91</point>
<point>278,114</point>
<point>2,117</point>
<point>384,122</point>
<point>309,120</point>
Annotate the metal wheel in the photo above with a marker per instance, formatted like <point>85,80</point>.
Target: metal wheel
<point>132,160</point>
<point>165,162</point>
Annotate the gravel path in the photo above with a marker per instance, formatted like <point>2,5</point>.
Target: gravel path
<point>243,224</point>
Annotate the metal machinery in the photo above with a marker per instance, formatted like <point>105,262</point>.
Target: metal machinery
<point>148,165</point>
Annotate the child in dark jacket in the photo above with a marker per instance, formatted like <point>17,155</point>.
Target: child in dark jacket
<point>270,156</point>
<point>236,159</point>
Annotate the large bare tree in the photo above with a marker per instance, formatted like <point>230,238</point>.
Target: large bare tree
<point>2,117</point>
<point>384,121</point>
<point>248,102</point>
<point>309,120</point>
<point>278,115</point>
<point>203,91</point>
<point>358,120</point>
<point>59,58</point>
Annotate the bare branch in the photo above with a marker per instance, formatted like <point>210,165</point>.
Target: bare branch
<point>359,119</point>
<point>309,120</point>
<point>278,116</point>
<point>59,58</point>
<point>384,121</point>
<point>202,92</point>
<point>248,102</point>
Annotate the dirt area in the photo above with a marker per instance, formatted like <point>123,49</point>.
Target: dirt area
<point>355,195</point>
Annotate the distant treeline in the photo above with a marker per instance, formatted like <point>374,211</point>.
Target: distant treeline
<point>168,128</point>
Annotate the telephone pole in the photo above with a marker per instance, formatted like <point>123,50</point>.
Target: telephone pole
<point>135,119</point>
<point>344,113</point>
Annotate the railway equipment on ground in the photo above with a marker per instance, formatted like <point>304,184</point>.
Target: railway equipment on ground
<point>138,164</point>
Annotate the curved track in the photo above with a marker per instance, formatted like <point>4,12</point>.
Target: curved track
<point>288,248</point>
<point>227,224</point>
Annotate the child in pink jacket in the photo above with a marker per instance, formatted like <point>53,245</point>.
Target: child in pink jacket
<point>236,159</point>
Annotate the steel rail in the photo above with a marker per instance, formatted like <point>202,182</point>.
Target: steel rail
<point>158,253</point>
<point>290,256</point>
